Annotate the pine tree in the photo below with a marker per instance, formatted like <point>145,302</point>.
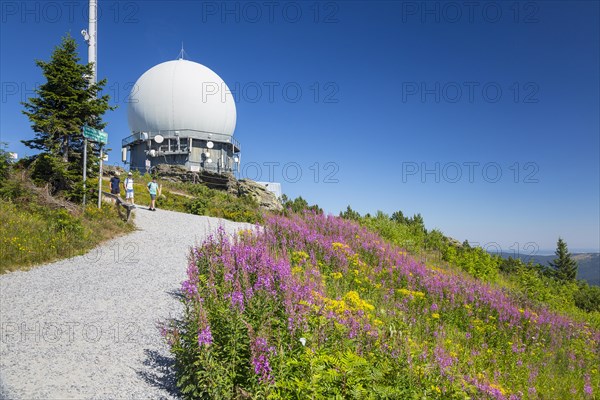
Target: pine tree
<point>350,214</point>
<point>398,216</point>
<point>565,268</point>
<point>64,104</point>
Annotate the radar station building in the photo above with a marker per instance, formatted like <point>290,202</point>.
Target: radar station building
<point>181,113</point>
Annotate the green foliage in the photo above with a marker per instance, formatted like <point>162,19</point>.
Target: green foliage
<point>63,105</point>
<point>511,265</point>
<point>535,282</point>
<point>350,214</point>
<point>474,260</point>
<point>5,162</point>
<point>47,168</point>
<point>38,228</point>
<point>398,233</point>
<point>587,297</point>
<point>220,204</point>
<point>299,205</point>
<point>340,374</point>
<point>409,233</point>
<point>36,234</point>
<point>565,268</point>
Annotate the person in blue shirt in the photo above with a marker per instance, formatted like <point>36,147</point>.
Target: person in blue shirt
<point>115,184</point>
<point>153,189</point>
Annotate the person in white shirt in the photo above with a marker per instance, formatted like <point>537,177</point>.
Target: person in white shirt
<point>128,186</point>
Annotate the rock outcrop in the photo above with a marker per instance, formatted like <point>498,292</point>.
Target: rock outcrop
<point>264,198</point>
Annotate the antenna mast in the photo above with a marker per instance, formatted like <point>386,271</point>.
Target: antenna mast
<point>182,53</point>
<point>91,37</point>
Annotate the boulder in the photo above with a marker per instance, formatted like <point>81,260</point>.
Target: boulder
<point>264,198</point>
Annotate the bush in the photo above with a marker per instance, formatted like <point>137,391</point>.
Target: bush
<point>474,260</point>
<point>587,297</point>
<point>5,163</point>
<point>219,204</point>
<point>311,306</point>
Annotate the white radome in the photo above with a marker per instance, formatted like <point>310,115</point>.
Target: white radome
<point>181,95</point>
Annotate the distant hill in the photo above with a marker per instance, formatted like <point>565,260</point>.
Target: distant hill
<point>589,264</point>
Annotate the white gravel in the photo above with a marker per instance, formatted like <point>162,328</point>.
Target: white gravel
<point>86,327</point>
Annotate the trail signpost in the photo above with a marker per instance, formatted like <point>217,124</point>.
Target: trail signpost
<point>101,137</point>
<point>95,135</point>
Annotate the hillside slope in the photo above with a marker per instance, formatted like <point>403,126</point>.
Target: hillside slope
<point>315,306</point>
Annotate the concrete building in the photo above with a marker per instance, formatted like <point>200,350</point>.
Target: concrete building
<point>181,113</point>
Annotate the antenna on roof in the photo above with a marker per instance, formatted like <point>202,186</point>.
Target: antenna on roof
<point>182,53</point>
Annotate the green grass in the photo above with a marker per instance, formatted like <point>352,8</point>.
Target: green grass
<point>196,199</point>
<point>38,228</point>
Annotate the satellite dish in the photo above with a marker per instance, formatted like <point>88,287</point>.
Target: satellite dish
<point>209,160</point>
<point>210,145</point>
<point>152,153</point>
<point>235,159</point>
<point>159,139</point>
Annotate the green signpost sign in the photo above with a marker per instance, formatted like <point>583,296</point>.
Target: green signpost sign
<point>95,135</point>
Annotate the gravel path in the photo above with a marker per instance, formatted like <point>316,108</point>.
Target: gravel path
<point>86,327</point>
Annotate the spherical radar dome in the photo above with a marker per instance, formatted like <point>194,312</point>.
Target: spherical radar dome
<point>179,95</point>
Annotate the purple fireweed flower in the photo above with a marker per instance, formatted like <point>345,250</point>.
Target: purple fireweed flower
<point>587,388</point>
<point>246,267</point>
<point>237,300</point>
<point>205,336</point>
<point>189,289</point>
<point>443,359</point>
<point>260,359</point>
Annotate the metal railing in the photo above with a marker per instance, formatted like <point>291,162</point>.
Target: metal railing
<point>182,133</point>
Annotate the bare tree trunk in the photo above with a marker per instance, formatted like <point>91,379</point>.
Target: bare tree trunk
<point>65,151</point>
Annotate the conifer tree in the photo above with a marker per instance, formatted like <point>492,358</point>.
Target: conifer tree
<point>565,268</point>
<point>63,105</point>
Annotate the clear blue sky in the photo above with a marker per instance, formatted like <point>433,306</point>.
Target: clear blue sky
<point>483,118</point>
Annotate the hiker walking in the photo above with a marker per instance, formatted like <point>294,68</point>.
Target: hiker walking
<point>128,186</point>
<point>115,184</point>
<point>153,189</point>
